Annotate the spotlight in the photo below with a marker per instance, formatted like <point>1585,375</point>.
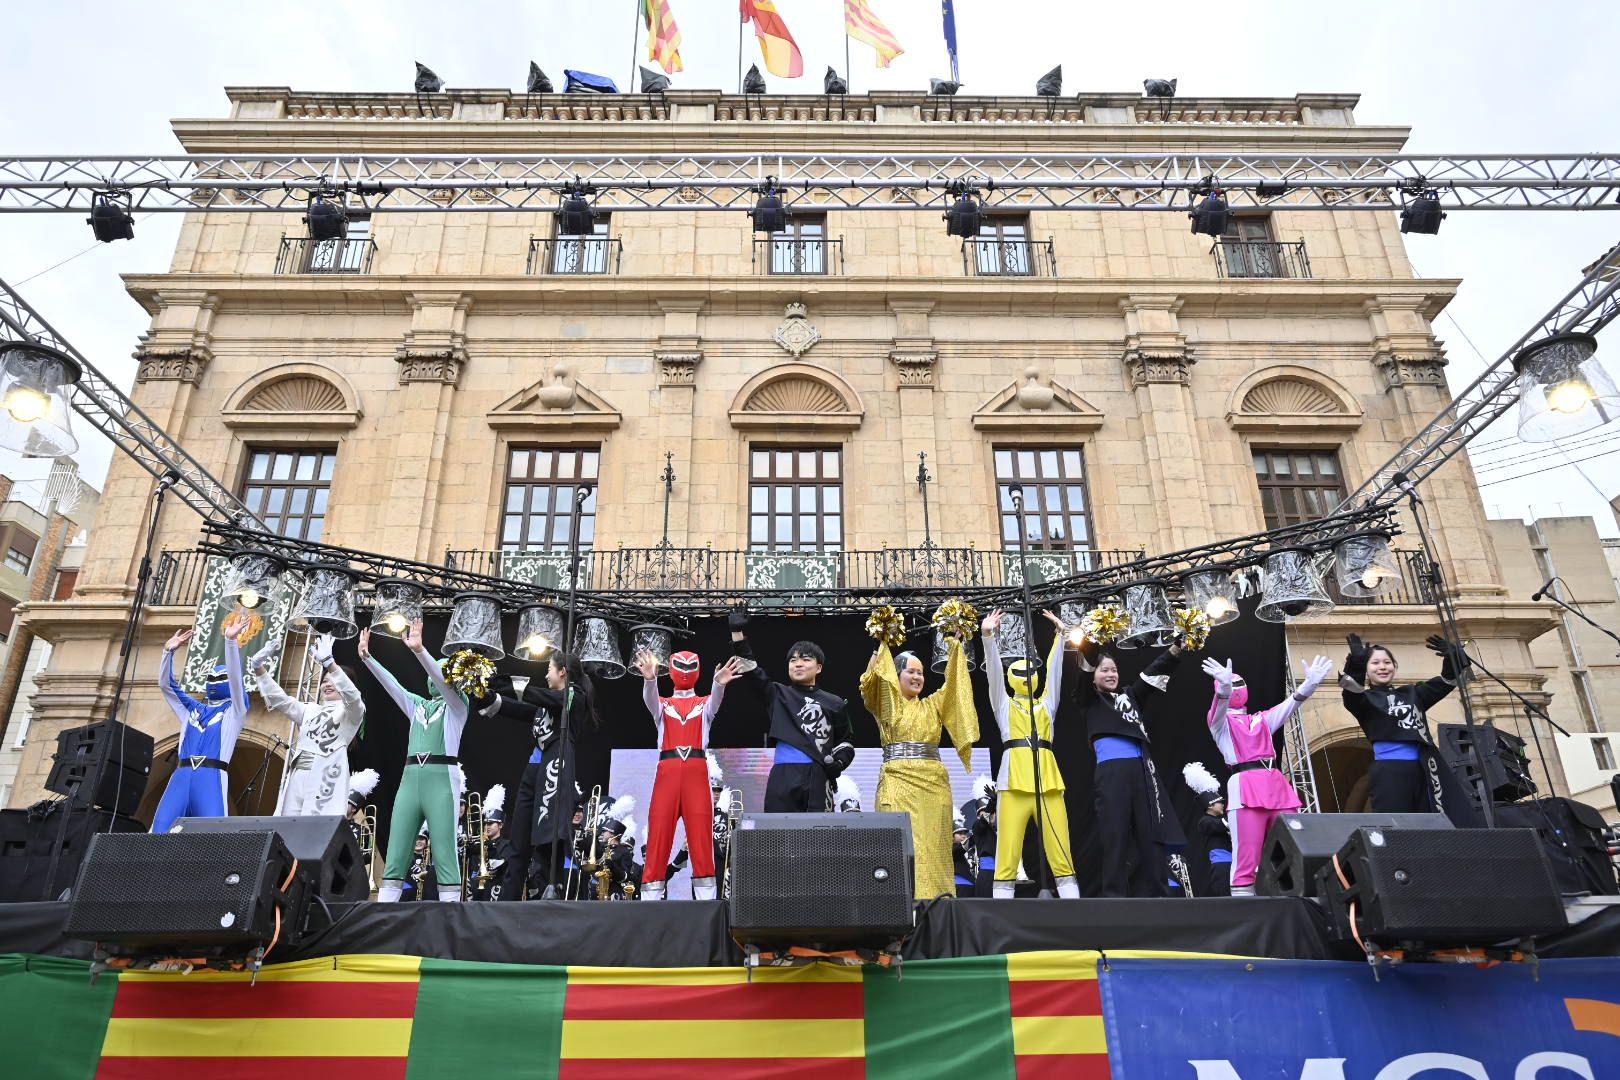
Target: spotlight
<point>35,382</point>
<point>255,576</point>
<point>1159,87</point>
<point>396,603</point>
<point>1563,390</point>
<point>327,219</point>
<point>966,213</point>
<point>540,628</point>
<point>110,218</point>
<point>576,217</point>
<point>1212,215</point>
<point>1213,592</point>
<point>1420,210</point>
<point>769,213</point>
<point>1365,566</point>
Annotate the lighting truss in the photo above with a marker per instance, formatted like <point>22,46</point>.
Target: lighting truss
<point>706,182</point>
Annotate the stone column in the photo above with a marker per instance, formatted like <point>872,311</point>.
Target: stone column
<point>431,358</point>
<point>916,366</point>
<point>698,457</point>
<point>1158,363</point>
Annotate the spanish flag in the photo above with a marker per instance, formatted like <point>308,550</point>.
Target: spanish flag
<point>862,25</point>
<point>781,52</point>
<point>663,36</point>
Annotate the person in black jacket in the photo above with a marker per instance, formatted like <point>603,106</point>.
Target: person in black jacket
<point>1407,775</point>
<point>808,726</point>
<point>540,823</point>
<point>1212,829</point>
<point>1135,823</point>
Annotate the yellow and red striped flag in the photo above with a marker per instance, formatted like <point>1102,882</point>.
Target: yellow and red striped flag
<point>781,52</point>
<point>663,36</point>
<point>862,25</point>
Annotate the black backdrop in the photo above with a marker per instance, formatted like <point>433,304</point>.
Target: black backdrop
<point>494,751</point>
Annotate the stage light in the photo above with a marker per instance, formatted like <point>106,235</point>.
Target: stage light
<point>1163,88</point>
<point>539,82</point>
<point>1563,390</point>
<point>1213,593</point>
<point>966,213</point>
<point>1364,565</point>
<point>656,641</point>
<point>596,642</point>
<point>35,382</point>
<point>255,577</point>
<point>1291,586</point>
<point>769,213</point>
<point>1149,611</point>
<point>328,605</point>
<point>1070,614</point>
<point>110,218</point>
<point>576,218</point>
<point>540,628</point>
<point>1420,210</point>
<point>475,626</point>
<point>396,604</point>
<point>327,219</point>
<point>1211,216</point>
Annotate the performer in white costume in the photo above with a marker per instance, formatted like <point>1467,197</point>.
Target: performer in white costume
<point>318,761</point>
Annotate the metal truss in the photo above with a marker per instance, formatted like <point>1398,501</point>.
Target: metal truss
<point>494,183</point>
<point>1587,308</point>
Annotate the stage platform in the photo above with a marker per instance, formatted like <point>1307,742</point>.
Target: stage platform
<point>689,933</point>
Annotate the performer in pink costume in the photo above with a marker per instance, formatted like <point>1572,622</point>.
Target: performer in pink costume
<point>681,784</point>
<point>1257,791</point>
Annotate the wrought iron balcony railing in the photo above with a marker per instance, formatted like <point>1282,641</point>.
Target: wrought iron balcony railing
<point>575,255</point>
<point>802,256</point>
<point>985,256</point>
<point>302,255</point>
<point>1261,259</point>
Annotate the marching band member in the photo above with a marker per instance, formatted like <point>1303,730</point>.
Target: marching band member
<point>1212,829</point>
<point>487,861</point>
<point>208,730</point>
<point>980,813</point>
<point>318,761</point>
<point>846,796</point>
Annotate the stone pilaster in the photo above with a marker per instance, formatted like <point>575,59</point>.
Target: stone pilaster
<point>679,354</point>
<point>1158,365</point>
<point>916,365</point>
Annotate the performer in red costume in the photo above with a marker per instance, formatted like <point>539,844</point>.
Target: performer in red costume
<point>681,785</point>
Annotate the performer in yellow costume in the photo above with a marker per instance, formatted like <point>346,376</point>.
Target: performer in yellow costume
<point>913,779</point>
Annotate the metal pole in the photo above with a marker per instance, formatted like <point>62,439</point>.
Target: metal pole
<point>635,45</point>
<point>581,494</point>
<point>1016,493</point>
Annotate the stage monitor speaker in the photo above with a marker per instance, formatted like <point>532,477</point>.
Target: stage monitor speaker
<point>1437,888</point>
<point>1298,845</point>
<point>179,892</point>
<point>27,838</point>
<point>105,764</point>
<point>326,848</point>
<point>829,879</point>
<point>1505,765</point>
<point>1572,835</point>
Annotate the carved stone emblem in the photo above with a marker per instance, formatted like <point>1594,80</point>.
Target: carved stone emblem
<point>796,334</point>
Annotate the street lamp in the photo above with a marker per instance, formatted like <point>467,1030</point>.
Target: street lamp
<point>35,382</point>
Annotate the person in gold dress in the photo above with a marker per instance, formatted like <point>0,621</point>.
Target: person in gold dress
<point>913,779</point>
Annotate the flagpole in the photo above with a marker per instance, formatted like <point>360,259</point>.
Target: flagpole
<point>740,25</point>
<point>635,47</point>
<point>849,72</point>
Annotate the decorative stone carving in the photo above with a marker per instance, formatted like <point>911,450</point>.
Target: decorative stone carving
<point>442,367</point>
<point>916,368</point>
<point>1030,406</point>
<point>1032,395</point>
<point>1401,370</point>
<point>796,334</point>
<point>183,364</point>
<point>1144,368</point>
<point>298,394</point>
<point>796,396</point>
<point>1291,396</point>
<point>678,368</point>
<point>558,394</point>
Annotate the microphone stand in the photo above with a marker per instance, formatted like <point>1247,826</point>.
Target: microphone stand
<point>1547,591</point>
<point>581,494</point>
<point>1016,493</point>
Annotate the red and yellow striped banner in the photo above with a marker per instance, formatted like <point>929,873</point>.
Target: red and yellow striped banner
<point>863,26</point>
<point>663,36</point>
<point>776,44</point>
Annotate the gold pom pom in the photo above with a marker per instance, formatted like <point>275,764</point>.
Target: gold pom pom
<point>469,672</point>
<point>957,620</point>
<point>887,626</point>
<point>1192,627</point>
<point>1105,623</point>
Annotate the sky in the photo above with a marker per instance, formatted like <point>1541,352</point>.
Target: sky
<point>98,78</point>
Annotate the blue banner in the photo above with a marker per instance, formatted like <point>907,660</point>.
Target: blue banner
<point>1307,1020</point>
<point>948,10</point>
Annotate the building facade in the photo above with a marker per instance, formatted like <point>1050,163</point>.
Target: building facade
<point>438,383</point>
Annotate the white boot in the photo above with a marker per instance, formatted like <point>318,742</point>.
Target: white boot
<point>654,890</point>
<point>1243,890</point>
<point>1068,888</point>
<point>1004,890</point>
<point>389,891</point>
<point>703,888</point>
<point>450,894</point>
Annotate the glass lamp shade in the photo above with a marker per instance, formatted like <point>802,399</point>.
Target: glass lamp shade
<point>1291,587</point>
<point>328,606</point>
<point>397,604</point>
<point>597,644</point>
<point>540,630</point>
<point>1149,610</point>
<point>1213,593</point>
<point>1363,565</point>
<point>942,654</point>
<point>255,578</point>
<point>1563,390</point>
<point>35,383</point>
<point>1071,613</point>
<point>653,639</point>
<point>1012,638</point>
<point>475,623</point>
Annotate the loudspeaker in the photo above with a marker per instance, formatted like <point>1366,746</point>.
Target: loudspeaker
<point>27,838</point>
<point>1505,765</point>
<point>105,764</point>
<point>821,879</point>
<point>1571,834</point>
<point>186,891</point>
<point>326,849</point>
<point>1298,845</point>
<point>1433,887</point>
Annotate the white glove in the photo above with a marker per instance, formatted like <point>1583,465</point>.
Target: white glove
<point>1316,672</point>
<point>321,650</point>
<point>1221,673</point>
<point>261,659</point>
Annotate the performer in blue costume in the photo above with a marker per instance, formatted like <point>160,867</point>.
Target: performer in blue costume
<point>208,730</point>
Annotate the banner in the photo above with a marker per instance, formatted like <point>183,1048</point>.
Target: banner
<point>266,623</point>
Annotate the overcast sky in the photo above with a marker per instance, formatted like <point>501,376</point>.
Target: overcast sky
<point>99,78</point>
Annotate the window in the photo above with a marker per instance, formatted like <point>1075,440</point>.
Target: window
<point>1054,483</point>
<point>1297,485</point>
<point>66,582</point>
<point>349,255</point>
<point>795,499</point>
<point>1248,228</point>
<point>288,489</point>
<point>540,493</point>
<point>8,609</point>
<point>1002,246</point>
<point>1604,752</point>
<point>581,254</point>
<point>1249,250</point>
<point>19,561</point>
<point>801,248</point>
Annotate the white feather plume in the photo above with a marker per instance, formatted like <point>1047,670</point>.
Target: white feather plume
<point>364,782</point>
<point>496,799</point>
<point>629,830</point>
<point>1199,778</point>
<point>715,772</point>
<point>619,810</point>
<point>984,788</point>
<point>846,791</point>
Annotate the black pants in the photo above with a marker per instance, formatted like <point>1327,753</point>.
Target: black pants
<point>985,884</point>
<point>1220,880</point>
<point>1131,863</point>
<point>796,789</point>
<point>1399,787</point>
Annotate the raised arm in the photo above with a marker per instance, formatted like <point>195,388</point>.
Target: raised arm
<point>1054,675</point>
<point>1156,676</point>
<point>953,703</point>
<point>993,673</point>
<point>180,702</point>
<point>717,692</point>
<point>385,678</point>
<point>1453,660</point>
<point>277,699</point>
<point>235,718</point>
<point>880,685</point>
<point>1223,676</point>
<point>1316,672</point>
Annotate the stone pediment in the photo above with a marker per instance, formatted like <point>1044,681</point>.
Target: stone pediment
<point>560,402</point>
<point>1029,404</point>
<point>797,396</point>
<point>294,395</point>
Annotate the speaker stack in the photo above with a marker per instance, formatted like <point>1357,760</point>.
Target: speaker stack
<point>105,765</point>
<point>1503,764</point>
<point>1298,846</point>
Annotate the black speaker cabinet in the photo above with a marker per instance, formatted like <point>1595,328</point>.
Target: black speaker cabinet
<point>836,879</point>
<point>1438,887</point>
<point>1502,760</point>
<point>1298,845</point>
<point>176,892</point>
<point>326,849</point>
<point>28,837</point>
<point>1571,834</point>
<point>104,764</point>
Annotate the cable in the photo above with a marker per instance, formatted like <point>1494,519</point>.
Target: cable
<point>1517,455</point>
<point>70,258</point>
<point>1533,472</point>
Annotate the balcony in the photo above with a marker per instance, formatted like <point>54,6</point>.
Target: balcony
<point>301,255</point>
<point>802,256</point>
<point>575,255</point>
<point>987,256</point>
<point>1261,259</point>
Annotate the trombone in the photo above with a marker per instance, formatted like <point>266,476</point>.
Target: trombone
<point>366,828</point>
<point>474,827</point>
<point>592,808</point>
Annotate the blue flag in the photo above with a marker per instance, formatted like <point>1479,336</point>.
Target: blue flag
<point>948,9</point>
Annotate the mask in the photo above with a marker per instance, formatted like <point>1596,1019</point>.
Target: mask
<point>218,688</point>
<point>683,670</point>
<point>1239,698</point>
<point>1019,681</point>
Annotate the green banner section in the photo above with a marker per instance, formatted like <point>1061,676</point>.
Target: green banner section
<point>54,1021</point>
<point>943,1019</point>
<point>487,1020</point>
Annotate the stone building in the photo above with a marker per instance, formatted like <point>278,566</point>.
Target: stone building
<point>436,381</point>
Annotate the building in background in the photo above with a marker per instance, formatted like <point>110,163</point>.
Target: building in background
<point>441,383</point>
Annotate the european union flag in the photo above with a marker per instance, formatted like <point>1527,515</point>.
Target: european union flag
<point>948,9</point>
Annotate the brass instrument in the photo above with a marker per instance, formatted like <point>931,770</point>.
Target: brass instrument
<point>593,806</point>
<point>419,879</point>
<point>475,826</point>
<point>734,813</point>
<point>366,825</point>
